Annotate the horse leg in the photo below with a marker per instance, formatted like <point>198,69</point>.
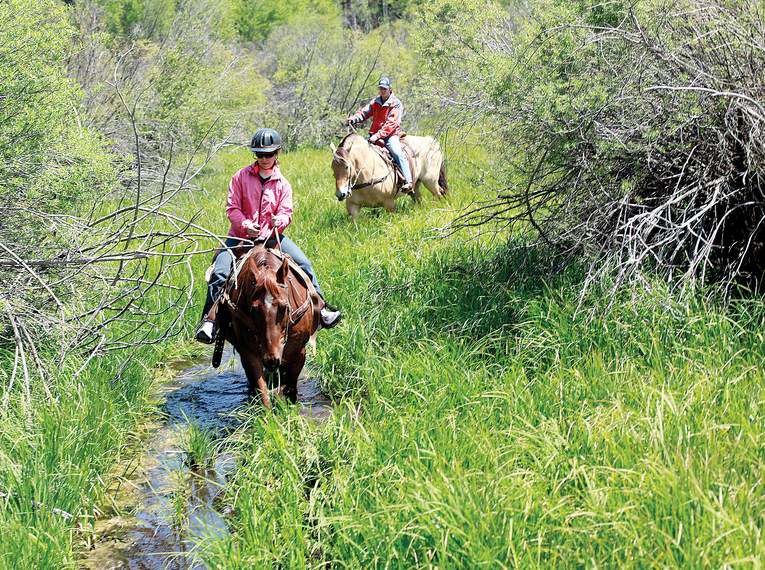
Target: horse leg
<point>353,210</point>
<point>431,183</point>
<point>417,195</point>
<point>253,368</point>
<point>390,205</point>
<point>284,389</point>
<point>293,370</point>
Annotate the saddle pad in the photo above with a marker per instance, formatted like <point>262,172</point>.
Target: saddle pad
<point>386,156</point>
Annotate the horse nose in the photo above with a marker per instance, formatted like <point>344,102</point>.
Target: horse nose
<point>272,362</point>
<point>341,195</point>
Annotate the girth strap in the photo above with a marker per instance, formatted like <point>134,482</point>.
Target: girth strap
<point>373,182</point>
<point>220,341</point>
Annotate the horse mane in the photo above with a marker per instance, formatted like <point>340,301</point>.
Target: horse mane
<point>342,146</point>
<point>342,153</point>
<point>258,275</point>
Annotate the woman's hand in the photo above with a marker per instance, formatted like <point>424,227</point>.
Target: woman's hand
<point>252,229</point>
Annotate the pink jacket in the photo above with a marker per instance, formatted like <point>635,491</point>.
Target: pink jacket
<point>248,199</point>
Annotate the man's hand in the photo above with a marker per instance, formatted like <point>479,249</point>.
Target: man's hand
<point>252,229</point>
<point>373,139</point>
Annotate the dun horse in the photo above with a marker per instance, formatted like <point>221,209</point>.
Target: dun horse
<point>364,179</point>
<point>269,312</point>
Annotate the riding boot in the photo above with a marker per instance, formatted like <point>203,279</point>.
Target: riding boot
<point>207,329</point>
<point>330,316</point>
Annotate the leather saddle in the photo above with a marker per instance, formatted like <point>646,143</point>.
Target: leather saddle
<point>380,148</point>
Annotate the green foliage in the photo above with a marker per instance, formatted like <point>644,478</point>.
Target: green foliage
<point>201,89</point>
<point>255,19</point>
<point>199,445</point>
<point>589,94</point>
<point>321,72</point>
<point>369,14</point>
<point>485,415</point>
<point>49,159</point>
<point>188,82</point>
<point>147,18</point>
<point>455,45</point>
<point>36,91</point>
<point>56,453</point>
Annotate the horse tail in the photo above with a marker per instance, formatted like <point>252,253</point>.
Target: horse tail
<point>442,182</point>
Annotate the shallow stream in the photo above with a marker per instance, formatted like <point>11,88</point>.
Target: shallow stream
<point>170,502</point>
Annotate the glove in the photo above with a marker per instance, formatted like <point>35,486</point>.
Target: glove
<point>251,228</point>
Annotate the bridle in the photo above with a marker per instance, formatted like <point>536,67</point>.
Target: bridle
<point>293,314</point>
<point>349,169</point>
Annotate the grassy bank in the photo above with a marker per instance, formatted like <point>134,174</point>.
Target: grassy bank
<point>483,417</point>
<point>482,420</point>
<point>62,437</point>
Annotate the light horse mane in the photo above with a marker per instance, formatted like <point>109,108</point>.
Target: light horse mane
<point>343,151</point>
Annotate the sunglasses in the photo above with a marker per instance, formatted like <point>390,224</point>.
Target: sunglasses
<point>265,154</point>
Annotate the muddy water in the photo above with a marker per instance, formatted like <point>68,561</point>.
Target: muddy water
<point>172,505</point>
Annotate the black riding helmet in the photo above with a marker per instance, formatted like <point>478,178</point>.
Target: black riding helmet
<point>266,140</point>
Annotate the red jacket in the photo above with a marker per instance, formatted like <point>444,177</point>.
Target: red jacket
<point>386,117</point>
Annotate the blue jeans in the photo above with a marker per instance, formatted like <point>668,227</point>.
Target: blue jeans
<point>224,264</point>
<point>393,144</point>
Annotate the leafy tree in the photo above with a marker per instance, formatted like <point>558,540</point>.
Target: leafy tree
<point>49,160</point>
<point>147,18</point>
<point>254,19</point>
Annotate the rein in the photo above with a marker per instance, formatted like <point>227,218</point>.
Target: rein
<point>372,183</point>
<point>356,184</point>
<point>294,315</point>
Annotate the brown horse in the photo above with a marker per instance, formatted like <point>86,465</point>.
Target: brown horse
<point>364,180</point>
<point>269,312</point>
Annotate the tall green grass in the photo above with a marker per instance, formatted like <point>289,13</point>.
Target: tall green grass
<point>488,415</point>
<point>57,455</point>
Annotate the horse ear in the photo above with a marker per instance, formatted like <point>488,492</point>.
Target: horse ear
<point>333,148</point>
<point>283,272</point>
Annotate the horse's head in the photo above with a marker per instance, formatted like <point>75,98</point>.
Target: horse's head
<point>345,164</point>
<point>342,169</point>
<point>265,298</point>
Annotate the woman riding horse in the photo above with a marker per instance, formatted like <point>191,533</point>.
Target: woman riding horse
<point>259,207</point>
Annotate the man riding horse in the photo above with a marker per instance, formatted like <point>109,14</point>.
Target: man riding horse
<point>259,207</point>
<point>386,111</point>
